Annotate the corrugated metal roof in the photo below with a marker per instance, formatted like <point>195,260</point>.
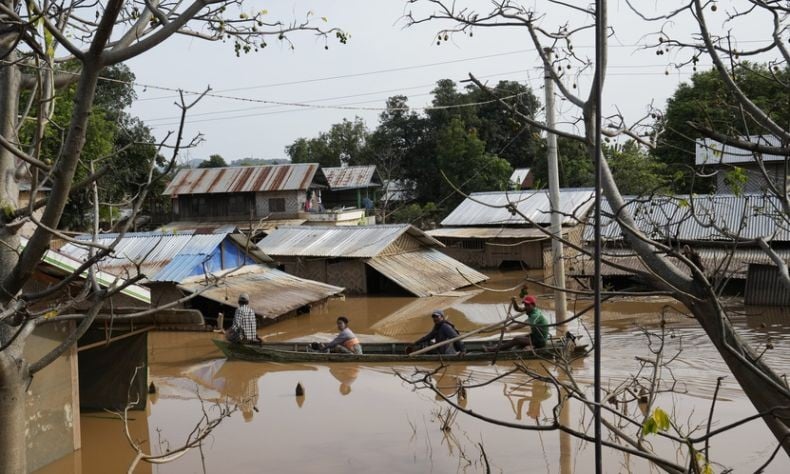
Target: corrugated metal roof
<point>69,265</point>
<point>710,152</point>
<point>712,259</point>
<point>693,218</point>
<point>519,175</point>
<point>160,256</point>
<point>338,241</point>
<point>398,190</point>
<point>426,272</point>
<point>243,179</point>
<point>227,227</point>
<point>534,204</point>
<point>488,233</point>
<point>351,177</point>
<point>273,292</point>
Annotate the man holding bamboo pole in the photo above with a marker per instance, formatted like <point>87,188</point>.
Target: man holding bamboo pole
<point>535,319</point>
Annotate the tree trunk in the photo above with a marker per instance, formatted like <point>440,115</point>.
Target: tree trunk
<point>766,390</point>
<point>13,415</point>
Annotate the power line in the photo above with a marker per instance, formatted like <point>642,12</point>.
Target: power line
<point>350,106</point>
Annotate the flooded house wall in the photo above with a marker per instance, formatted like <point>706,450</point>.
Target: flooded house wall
<point>115,374</point>
<point>764,287</point>
<point>480,253</point>
<point>52,399</point>
<point>574,235</point>
<point>348,273</point>
<point>163,292</point>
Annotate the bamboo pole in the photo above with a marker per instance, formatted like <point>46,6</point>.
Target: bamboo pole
<point>459,337</point>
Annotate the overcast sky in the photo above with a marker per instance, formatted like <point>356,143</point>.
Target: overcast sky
<point>382,58</point>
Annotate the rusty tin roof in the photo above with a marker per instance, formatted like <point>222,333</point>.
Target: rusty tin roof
<point>352,177</point>
<point>244,179</point>
<point>274,292</point>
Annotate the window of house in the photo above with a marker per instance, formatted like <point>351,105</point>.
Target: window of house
<point>277,205</point>
<point>472,244</point>
<point>238,205</point>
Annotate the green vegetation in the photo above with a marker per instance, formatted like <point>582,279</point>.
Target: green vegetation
<point>475,147</point>
<point>705,101</point>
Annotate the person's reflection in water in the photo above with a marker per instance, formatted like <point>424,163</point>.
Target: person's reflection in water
<point>249,399</point>
<point>450,383</point>
<point>539,392</point>
<point>346,375</point>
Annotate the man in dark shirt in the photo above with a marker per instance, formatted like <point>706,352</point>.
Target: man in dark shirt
<point>442,331</point>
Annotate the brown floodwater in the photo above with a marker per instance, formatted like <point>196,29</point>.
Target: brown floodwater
<point>365,418</point>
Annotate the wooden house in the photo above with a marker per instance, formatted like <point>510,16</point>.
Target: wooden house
<point>369,259</point>
<point>720,229</point>
<point>177,264</point>
<point>483,233</point>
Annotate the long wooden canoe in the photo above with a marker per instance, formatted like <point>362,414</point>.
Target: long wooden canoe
<point>384,352</point>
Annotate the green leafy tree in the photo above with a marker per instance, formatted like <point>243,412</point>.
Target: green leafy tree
<point>636,171</point>
<point>214,161</point>
<point>345,142</point>
<point>576,168</point>
<point>47,47</point>
<point>706,102</point>
<point>462,159</point>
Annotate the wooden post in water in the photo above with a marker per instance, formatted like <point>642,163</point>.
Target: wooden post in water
<point>558,265</point>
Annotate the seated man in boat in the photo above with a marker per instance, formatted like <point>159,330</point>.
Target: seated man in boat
<point>244,329</point>
<point>345,341</point>
<point>535,320</point>
<point>442,331</point>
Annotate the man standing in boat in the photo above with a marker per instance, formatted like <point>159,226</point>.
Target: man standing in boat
<point>442,331</point>
<point>535,320</point>
<point>244,328</point>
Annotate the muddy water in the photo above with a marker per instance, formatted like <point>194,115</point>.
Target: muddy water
<point>365,418</point>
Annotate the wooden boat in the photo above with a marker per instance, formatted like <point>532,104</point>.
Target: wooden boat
<point>385,352</point>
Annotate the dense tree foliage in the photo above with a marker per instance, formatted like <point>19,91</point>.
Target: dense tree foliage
<point>706,102</point>
<point>473,140</point>
<point>636,171</point>
<point>214,161</point>
<point>114,139</point>
<point>344,143</point>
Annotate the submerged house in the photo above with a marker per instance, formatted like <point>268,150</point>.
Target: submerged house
<point>482,231</point>
<point>61,389</point>
<point>369,259</point>
<point>720,229</point>
<point>167,260</point>
<point>723,158</point>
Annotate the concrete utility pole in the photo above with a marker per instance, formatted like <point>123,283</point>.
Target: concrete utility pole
<point>558,265</point>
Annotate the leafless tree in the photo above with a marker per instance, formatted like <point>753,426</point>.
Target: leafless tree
<point>37,39</point>
<point>767,389</point>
